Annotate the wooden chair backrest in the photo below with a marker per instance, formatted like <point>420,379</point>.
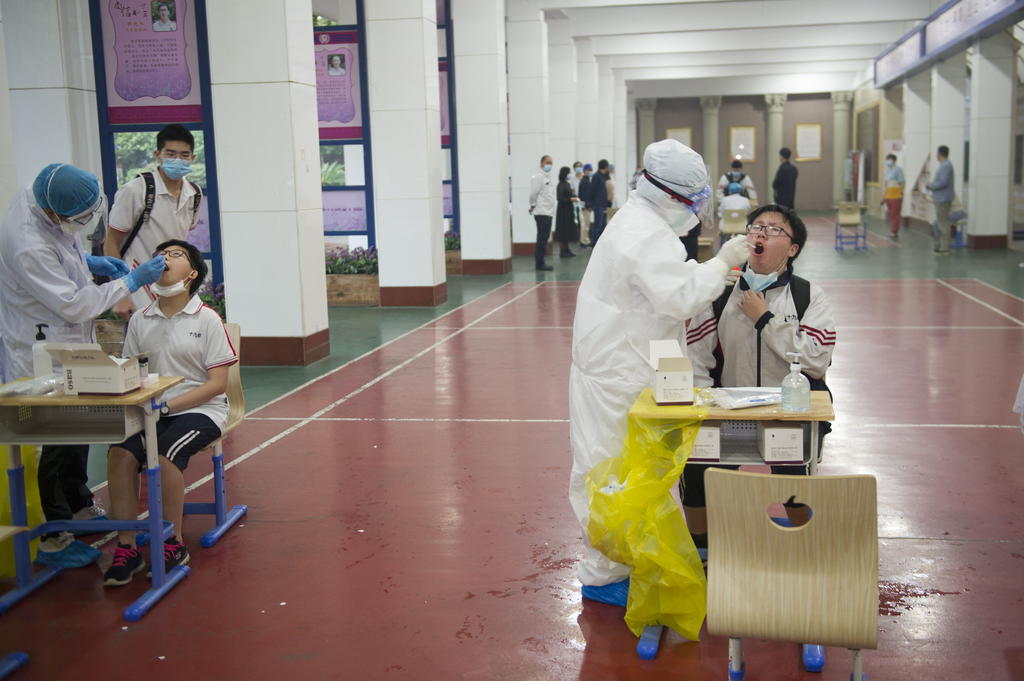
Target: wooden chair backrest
<point>734,222</point>
<point>849,213</point>
<point>8,531</point>
<point>812,584</point>
<point>236,397</point>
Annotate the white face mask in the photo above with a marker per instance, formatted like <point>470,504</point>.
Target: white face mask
<point>169,291</point>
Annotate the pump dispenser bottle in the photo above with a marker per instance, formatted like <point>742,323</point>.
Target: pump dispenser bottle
<point>796,389</point>
<point>42,362</point>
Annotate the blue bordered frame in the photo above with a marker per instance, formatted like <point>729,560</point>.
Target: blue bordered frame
<point>364,105</point>
<point>453,136</point>
<point>107,130</point>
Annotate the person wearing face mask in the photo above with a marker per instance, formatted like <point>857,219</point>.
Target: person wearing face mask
<point>893,198</point>
<point>583,192</point>
<point>154,207</point>
<point>46,287</point>
<point>542,208</point>
<point>638,287</point>
<point>742,338</point>
<point>182,337</point>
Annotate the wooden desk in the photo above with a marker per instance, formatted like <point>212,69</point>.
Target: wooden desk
<point>85,419</point>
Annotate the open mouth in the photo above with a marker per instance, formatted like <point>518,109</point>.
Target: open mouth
<point>759,249</point>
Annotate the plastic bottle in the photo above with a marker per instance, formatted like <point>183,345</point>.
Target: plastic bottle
<point>796,389</point>
<point>42,362</point>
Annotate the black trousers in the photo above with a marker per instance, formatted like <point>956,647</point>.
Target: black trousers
<point>598,224</point>
<point>64,480</point>
<point>543,234</point>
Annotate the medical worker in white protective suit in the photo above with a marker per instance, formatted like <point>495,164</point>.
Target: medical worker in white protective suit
<point>638,287</point>
<point>46,288</point>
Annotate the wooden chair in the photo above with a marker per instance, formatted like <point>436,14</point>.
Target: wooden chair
<point>733,222</point>
<point>851,228</point>
<point>815,583</point>
<point>236,413</point>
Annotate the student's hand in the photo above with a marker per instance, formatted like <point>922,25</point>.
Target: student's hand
<point>753,305</point>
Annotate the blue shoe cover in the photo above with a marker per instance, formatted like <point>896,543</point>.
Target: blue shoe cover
<point>616,593</point>
<point>75,554</point>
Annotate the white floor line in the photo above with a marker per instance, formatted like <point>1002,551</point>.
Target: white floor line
<point>370,352</point>
<point>996,288</point>
<point>931,425</point>
<point>843,327</point>
<point>397,419</point>
<point>980,302</point>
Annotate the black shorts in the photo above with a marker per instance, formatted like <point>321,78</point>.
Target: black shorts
<point>178,438</point>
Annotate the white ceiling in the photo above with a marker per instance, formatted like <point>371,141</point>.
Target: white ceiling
<point>738,47</point>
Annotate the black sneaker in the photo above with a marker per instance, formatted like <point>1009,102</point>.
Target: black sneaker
<point>175,554</point>
<point>127,562</point>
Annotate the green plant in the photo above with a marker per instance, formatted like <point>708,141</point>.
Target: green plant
<point>452,240</point>
<point>214,297</point>
<point>356,261</point>
<point>332,174</point>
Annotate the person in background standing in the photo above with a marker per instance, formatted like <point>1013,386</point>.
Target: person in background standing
<point>784,184</point>
<point>564,218</point>
<point>893,197</point>
<point>599,200</point>
<point>942,196</point>
<point>583,192</point>
<point>542,208</point>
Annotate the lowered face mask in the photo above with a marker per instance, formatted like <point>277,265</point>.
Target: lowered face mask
<point>171,290</point>
<point>759,282</point>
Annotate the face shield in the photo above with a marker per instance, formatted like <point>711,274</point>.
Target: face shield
<point>86,220</point>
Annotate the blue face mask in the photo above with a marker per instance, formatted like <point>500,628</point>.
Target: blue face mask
<point>546,167</point>
<point>759,282</point>
<point>175,168</point>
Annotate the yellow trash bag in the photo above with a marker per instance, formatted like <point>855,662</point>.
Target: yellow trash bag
<point>30,460</point>
<point>635,521</point>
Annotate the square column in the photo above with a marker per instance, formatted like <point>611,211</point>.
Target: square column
<point>634,157</point>
<point>605,109</point>
<point>8,172</point>
<point>405,133</point>
<point>917,137</point>
<point>623,164</point>
<point>991,135</point>
<point>709,149</point>
<point>528,111</point>
<point>586,102</point>
<point>645,124</point>
<point>272,230</point>
<point>562,84</point>
<point>481,101</point>
<point>776,105</point>
<point>841,102</point>
<point>949,115</point>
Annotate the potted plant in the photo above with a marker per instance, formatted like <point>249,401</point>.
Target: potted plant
<point>110,330</point>
<point>213,297</point>
<point>352,276</point>
<point>452,252</point>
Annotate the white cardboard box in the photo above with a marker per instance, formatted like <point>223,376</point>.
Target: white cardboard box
<point>780,442</point>
<point>89,370</point>
<point>708,446</point>
<point>673,373</point>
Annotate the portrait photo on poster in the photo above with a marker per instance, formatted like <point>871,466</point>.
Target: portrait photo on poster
<point>164,16</point>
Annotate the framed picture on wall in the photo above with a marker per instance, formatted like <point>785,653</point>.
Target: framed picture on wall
<point>808,142</point>
<point>684,135</point>
<point>742,139</point>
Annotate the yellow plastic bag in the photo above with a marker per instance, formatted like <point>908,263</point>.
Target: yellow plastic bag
<point>635,521</point>
<point>30,460</point>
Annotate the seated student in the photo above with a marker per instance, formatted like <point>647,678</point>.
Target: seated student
<point>736,175</point>
<point>734,199</point>
<point>743,337</point>
<point>181,337</point>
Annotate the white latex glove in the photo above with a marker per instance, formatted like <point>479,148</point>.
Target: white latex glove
<point>732,276</point>
<point>734,252</point>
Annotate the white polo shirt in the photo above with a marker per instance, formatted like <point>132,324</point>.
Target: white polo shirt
<point>188,344</point>
<point>169,219</point>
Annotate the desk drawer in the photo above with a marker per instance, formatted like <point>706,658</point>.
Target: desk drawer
<point>69,424</point>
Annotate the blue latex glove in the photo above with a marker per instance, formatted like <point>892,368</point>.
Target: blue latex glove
<point>146,273</point>
<point>106,266</point>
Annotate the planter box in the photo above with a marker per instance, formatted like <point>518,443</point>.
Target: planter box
<point>453,262</point>
<point>110,335</point>
<point>353,290</point>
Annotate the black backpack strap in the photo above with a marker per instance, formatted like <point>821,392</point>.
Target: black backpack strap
<point>196,199</point>
<point>147,177</point>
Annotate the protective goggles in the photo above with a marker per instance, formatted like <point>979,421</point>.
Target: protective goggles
<point>695,202</point>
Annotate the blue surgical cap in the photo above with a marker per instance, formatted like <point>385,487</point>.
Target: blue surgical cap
<point>587,166</point>
<point>65,189</point>
<point>734,188</point>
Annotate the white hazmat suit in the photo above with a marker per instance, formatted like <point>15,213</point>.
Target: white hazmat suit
<point>638,287</point>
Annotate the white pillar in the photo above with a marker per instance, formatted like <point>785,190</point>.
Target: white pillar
<point>840,141</point>
<point>269,184</point>
<point>586,102</point>
<point>620,130</point>
<point>528,111</point>
<point>991,135</point>
<point>52,88</point>
<point>645,124</point>
<point>634,156</point>
<point>776,105</point>
<point>948,115</point>
<point>605,108</point>
<point>405,129</point>
<point>709,144</point>
<point>482,114</point>
<point>562,84</point>
<point>8,170</point>
<point>917,137</point>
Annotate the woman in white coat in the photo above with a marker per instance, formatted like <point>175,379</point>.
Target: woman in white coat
<point>638,287</point>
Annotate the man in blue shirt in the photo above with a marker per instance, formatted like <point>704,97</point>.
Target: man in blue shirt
<point>942,196</point>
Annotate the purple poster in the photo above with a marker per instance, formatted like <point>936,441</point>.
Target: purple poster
<point>199,236</point>
<point>344,211</point>
<point>338,99</point>
<point>446,130</point>
<point>446,199</point>
<point>442,16</point>
<point>152,68</point>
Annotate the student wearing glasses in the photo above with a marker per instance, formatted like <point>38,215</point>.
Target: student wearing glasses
<point>181,337</point>
<point>173,208</point>
<point>742,339</point>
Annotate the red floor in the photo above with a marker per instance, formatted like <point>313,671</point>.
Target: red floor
<point>408,514</point>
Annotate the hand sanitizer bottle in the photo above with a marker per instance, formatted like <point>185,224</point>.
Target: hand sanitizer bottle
<point>796,389</point>
<point>42,362</point>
